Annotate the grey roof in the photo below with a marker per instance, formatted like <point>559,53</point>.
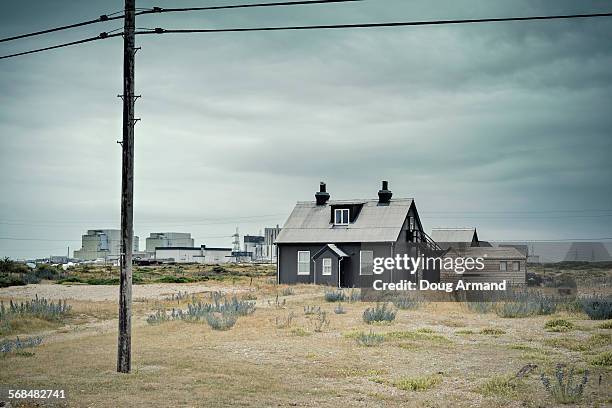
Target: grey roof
<point>310,223</point>
<point>453,234</point>
<point>337,250</point>
<point>488,252</point>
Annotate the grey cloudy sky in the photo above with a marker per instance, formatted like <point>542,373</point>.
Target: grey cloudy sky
<point>500,126</point>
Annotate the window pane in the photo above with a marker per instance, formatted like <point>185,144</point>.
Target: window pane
<point>327,266</point>
<point>338,217</point>
<point>345,216</point>
<point>502,266</point>
<point>303,256</point>
<point>516,266</point>
<point>366,263</point>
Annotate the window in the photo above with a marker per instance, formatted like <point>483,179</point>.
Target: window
<point>327,266</point>
<point>341,216</point>
<point>516,266</point>
<point>303,263</point>
<point>366,262</point>
<point>411,223</point>
<point>503,266</point>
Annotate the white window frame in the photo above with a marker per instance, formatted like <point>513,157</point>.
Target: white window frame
<point>516,266</point>
<point>503,266</point>
<point>343,220</point>
<point>301,263</point>
<point>361,264</point>
<point>327,267</point>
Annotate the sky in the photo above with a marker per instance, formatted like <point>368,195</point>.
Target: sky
<point>505,127</point>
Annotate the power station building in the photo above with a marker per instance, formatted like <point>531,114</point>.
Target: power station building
<point>102,244</point>
<point>167,240</point>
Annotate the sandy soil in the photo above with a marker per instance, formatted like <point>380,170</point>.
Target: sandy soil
<point>98,293</point>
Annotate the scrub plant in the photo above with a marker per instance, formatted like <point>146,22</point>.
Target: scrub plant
<point>562,386</point>
<point>377,314</point>
<point>597,307</point>
<point>369,339</point>
<point>7,346</point>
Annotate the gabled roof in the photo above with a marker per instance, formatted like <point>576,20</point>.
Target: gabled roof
<point>453,234</point>
<point>311,223</point>
<point>488,252</point>
<point>340,253</point>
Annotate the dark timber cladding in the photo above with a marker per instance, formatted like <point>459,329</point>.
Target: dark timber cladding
<point>127,191</point>
<point>334,242</point>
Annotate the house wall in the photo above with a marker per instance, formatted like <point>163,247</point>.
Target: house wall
<point>491,272</point>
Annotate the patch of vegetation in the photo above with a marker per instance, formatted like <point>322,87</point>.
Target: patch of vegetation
<point>300,331</point>
<point>16,274</point>
<point>335,296</point>
<point>597,307</point>
<point>319,321</point>
<point>171,279</point>
<point>421,383</point>
<point>416,335</point>
<point>559,325</point>
<point>40,308</point>
<point>339,309</point>
<point>287,292</point>
<point>605,325</point>
<point>407,303</point>
<point>603,360</point>
<point>562,387</point>
<point>311,310</point>
<point>7,346</point>
<point>464,332</point>
<point>378,314</point>
<point>284,322</point>
<point>505,386</point>
<point>492,331</point>
<point>221,321</point>
<point>370,339</point>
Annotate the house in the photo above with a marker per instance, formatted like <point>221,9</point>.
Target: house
<point>456,237</point>
<point>202,254</point>
<point>500,263</point>
<point>335,242</point>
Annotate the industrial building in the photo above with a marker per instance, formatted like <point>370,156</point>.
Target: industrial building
<point>255,245</point>
<point>102,244</point>
<point>167,240</point>
<point>270,235</point>
<point>202,255</point>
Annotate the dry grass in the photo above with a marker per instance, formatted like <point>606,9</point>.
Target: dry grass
<point>256,363</point>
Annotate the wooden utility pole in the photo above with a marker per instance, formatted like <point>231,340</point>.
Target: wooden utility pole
<point>124,352</point>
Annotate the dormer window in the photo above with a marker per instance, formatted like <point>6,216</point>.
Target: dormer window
<point>341,216</point>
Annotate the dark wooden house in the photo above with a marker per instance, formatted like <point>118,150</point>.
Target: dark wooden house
<point>335,242</point>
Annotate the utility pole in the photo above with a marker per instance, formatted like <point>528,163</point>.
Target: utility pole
<point>124,347</point>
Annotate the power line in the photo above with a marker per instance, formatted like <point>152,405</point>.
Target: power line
<point>101,36</point>
<point>101,19</point>
<point>157,10</point>
<point>373,25</point>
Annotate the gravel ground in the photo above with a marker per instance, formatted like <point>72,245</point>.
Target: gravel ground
<point>98,293</point>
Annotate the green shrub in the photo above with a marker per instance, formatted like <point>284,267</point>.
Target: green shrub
<point>221,321</point>
<point>562,387</point>
<point>492,331</point>
<point>369,339</point>
<point>604,359</point>
<point>380,313</point>
<point>422,383</point>
<point>558,325</point>
<point>605,325</point>
<point>335,296</point>
<point>500,386</point>
<point>173,279</point>
<point>406,303</point>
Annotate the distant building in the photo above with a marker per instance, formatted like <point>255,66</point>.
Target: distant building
<point>270,235</point>
<point>455,237</point>
<point>500,263</point>
<point>202,255</point>
<point>167,240</point>
<point>102,244</point>
<point>255,245</point>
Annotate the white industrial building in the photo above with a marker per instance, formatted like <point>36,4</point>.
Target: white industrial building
<point>102,244</point>
<point>167,240</point>
<point>269,248</point>
<point>255,245</point>
<point>202,255</point>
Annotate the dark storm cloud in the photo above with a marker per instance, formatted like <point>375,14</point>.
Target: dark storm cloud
<point>511,116</point>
